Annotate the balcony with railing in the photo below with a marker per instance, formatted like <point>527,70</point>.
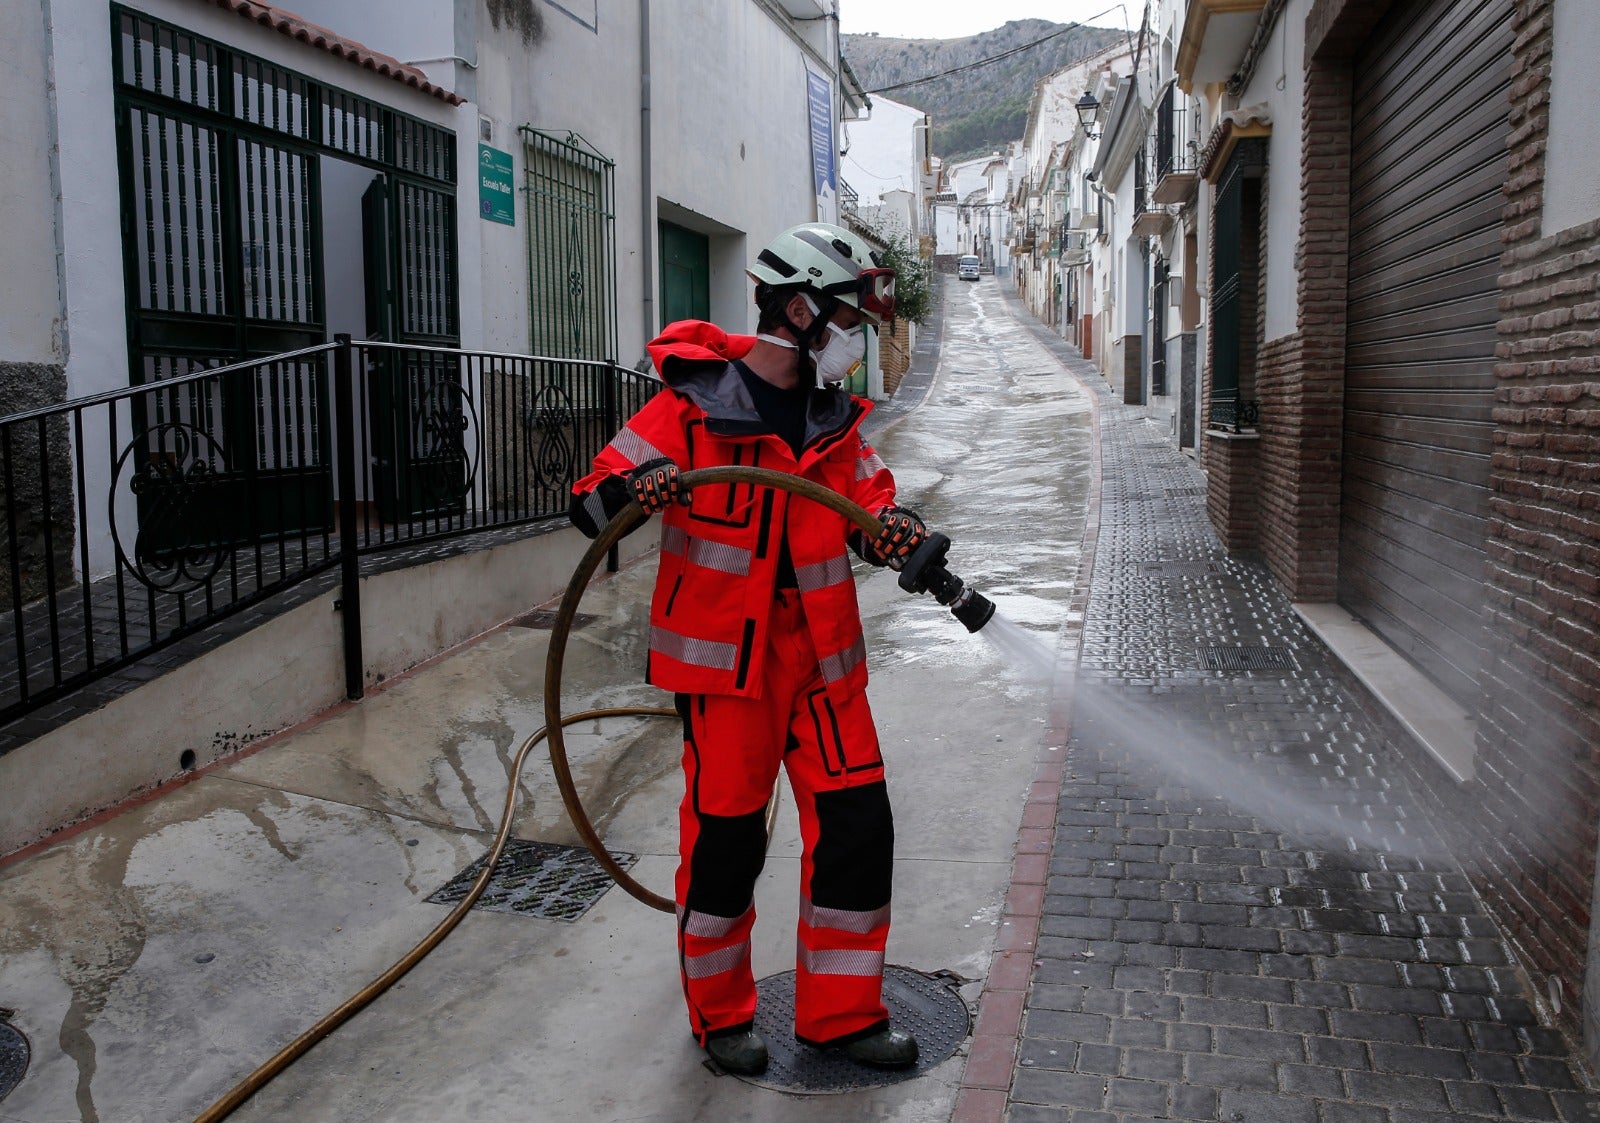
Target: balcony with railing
<point>1175,159</point>
<point>849,198</point>
<point>1148,221</point>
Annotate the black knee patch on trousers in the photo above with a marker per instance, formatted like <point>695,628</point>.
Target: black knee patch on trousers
<point>852,865</point>
<point>727,858</point>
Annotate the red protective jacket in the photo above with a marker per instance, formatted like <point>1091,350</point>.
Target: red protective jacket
<point>719,555</point>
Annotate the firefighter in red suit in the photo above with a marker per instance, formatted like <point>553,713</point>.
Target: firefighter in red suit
<point>755,628</point>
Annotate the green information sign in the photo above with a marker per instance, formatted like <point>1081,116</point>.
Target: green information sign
<point>496,195</point>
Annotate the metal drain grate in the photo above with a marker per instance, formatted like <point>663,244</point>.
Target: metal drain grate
<point>544,619</point>
<point>537,879</point>
<point>926,1005</point>
<point>1179,569</point>
<point>1246,659</point>
<point>1184,492</point>
<point>13,1057</point>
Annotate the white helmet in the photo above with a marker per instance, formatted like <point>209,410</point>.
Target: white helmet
<point>831,261</point>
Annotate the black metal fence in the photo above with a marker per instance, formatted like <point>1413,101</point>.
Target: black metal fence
<point>136,518</point>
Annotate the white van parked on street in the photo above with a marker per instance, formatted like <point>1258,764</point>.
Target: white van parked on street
<point>967,267</point>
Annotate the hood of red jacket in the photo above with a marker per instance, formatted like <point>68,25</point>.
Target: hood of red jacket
<point>695,341</point>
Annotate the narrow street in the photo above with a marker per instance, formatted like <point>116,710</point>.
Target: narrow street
<point>1212,902</point>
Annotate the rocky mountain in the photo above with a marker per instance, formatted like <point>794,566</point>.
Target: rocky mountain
<point>980,109</point>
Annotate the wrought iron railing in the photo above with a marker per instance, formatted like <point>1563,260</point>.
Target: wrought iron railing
<point>136,518</point>
<point>1177,141</point>
<point>1230,414</point>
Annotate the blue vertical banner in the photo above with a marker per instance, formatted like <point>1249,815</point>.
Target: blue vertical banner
<point>819,99</point>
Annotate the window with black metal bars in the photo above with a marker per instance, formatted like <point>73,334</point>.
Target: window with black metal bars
<point>571,250</point>
<point>1234,270</point>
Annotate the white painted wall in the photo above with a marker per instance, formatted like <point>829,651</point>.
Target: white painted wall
<point>742,161</point>
<point>573,92</point>
<point>893,216</point>
<point>946,229</point>
<point>1279,83</point>
<point>30,296</point>
<point>409,30</point>
<point>732,138</point>
<point>884,150</point>
<point>1571,185</point>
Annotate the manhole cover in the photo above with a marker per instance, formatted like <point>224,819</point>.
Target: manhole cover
<point>537,879</point>
<point>1246,658</point>
<point>13,1058</point>
<point>925,1005</point>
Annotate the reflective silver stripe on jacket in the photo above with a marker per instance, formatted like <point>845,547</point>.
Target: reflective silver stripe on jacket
<point>708,926</point>
<point>841,663</point>
<point>712,555</point>
<point>595,508</point>
<point>635,447</point>
<point>819,575</point>
<point>843,920</point>
<point>839,962</point>
<point>726,959</point>
<point>868,466</point>
<point>698,652</point>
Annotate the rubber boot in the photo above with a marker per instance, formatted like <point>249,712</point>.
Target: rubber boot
<point>890,1048</point>
<point>742,1053</point>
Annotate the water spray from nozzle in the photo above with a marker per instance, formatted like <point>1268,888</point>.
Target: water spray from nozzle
<point>925,572</point>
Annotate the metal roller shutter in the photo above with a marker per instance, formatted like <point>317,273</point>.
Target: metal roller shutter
<point>1428,158</point>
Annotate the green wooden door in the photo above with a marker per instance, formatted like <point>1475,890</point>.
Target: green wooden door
<point>685,275</point>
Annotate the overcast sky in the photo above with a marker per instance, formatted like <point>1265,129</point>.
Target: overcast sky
<point>953,19</point>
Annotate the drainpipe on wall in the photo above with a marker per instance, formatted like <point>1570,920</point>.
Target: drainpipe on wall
<point>646,183</point>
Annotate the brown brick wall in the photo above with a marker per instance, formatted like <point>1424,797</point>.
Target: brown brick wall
<point>1539,733</point>
<point>1302,375</point>
<point>1132,369</point>
<point>1525,826</point>
<point>1233,488</point>
<point>1234,491</point>
<point>894,354</point>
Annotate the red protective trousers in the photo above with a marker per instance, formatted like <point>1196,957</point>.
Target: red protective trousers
<point>732,749</point>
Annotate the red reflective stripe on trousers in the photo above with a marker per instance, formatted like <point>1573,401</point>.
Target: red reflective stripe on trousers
<point>729,769</point>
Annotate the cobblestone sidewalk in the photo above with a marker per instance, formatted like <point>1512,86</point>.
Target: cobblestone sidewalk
<point>1242,919</point>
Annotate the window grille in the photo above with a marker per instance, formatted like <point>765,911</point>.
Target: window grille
<point>571,248</point>
<point>1234,268</point>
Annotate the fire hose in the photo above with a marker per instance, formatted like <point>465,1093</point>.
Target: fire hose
<point>924,571</point>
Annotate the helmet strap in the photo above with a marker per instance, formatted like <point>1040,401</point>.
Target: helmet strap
<point>806,339</point>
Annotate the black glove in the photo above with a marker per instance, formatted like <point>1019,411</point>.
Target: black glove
<point>902,533</point>
<point>656,483</point>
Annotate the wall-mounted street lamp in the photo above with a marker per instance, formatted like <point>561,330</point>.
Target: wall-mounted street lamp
<point>1088,106</point>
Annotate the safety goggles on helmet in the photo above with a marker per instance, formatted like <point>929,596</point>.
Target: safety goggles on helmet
<point>873,290</point>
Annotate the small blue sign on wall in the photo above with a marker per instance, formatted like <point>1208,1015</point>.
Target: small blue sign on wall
<point>497,197</point>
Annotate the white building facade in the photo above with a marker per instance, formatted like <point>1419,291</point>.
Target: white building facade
<point>200,187</point>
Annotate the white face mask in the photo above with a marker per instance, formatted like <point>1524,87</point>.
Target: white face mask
<point>842,354</point>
